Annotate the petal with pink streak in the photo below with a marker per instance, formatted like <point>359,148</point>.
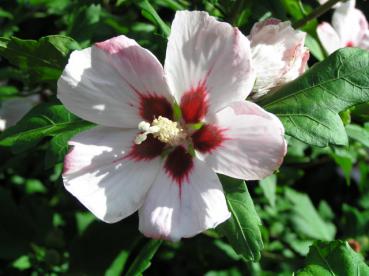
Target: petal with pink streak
<point>278,53</point>
<point>97,173</point>
<point>364,43</point>
<point>203,52</point>
<point>107,83</point>
<point>328,37</point>
<point>254,146</point>
<point>172,211</point>
<point>350,25</point>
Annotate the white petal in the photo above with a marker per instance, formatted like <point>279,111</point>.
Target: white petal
<point>350,24</point>
<point>364,43</point>
<point>110,186</point>
<point>12,110</point>
<point>202,49</point>
<point>278,54</point>
<point>298,64</point>
<point>254,147</point>
<point>172,211</point>
<point>328,37</point>
<point>2,124</point>
<point>349,2</point>
<point>103,83</point>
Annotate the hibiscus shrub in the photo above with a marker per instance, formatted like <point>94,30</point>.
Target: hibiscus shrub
<point>184,137</point>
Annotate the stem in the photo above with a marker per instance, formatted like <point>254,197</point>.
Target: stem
<point>315,13</point>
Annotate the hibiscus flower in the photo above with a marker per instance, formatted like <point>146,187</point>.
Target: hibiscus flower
<point>349,29</point>
<point>278,53</point>
<point>164,133</point>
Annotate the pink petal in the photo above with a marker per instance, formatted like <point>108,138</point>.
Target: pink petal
<point>255,144</point>
<point>298,64</point>
<point>205,52</point>
<point>328,37</point>
<point>364,43</point>
<point>339,4</point>
<point>171,211</point>
<point>278,53</point>
<point>111,83</point>
<point>97,173</point>
<point>350,24</point>
<point>258,27</point>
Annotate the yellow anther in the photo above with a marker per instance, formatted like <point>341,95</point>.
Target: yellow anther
<point>163,129</point>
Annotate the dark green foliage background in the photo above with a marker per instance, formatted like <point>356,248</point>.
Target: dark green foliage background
<point>319,196</point>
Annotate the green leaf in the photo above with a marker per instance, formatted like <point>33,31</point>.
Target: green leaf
<point>58,146</point>
<point>118,264</point>
<point>84,22</point>
<point>143,259</point>
<point>233,271</point>
<point>306,219</point>
<point>325,211</point>
<point>83,220</point>
<point>227,249</point>
<point>47,119</point>
<point>43,59</point>
<point>300,246</point>
<point>243,228</point>
<point>314,47</point>
<point>7,92</point>
<point>171,4</point>
<point>149,12</point>
<point>5,14</point>
<point>308,106</point>
<point>333,259</point>
<point>268,185</point>
<point>358,133</point>
<point>345,158</point>
<point>22,263</point>
<point>295,8</point>
<point>355,222</point>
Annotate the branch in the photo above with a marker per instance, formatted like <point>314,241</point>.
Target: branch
<point>315,13</point>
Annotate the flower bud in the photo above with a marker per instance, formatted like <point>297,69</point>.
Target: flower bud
<point>278,53</point>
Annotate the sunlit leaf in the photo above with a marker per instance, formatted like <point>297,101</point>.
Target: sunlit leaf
<point>268,185</point>
<point>358,133</point>
<point>44,59</point>
<point>243,229</point>
<point>308,107</point>
<point>144,257</point>
<point>333,258</point>
<point>149,12</point>
<point>47,119</point>
<point>306,219</point>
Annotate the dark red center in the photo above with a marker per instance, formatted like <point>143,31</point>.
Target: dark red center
<point>194,104</point>
<point>194,107</point>
<point>152,106</point>
<point>179,164</point>
<point>207,138</point>
<point>147,150</point>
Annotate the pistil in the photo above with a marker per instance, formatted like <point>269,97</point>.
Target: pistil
<point>163,129</point>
